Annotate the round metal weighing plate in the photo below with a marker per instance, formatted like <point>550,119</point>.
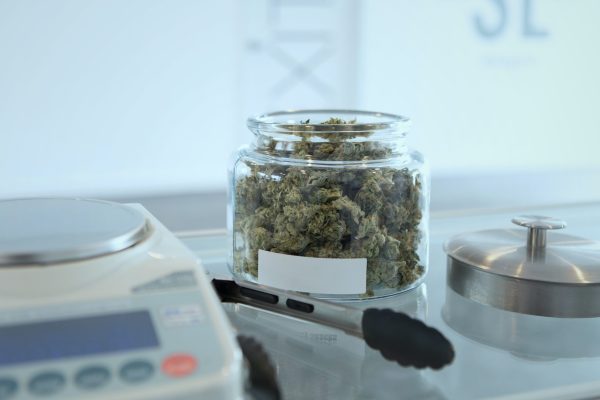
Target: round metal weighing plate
<point>48,231</point>
<point>531,272</point>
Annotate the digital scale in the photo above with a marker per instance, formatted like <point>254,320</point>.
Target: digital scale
<point>99,300</point>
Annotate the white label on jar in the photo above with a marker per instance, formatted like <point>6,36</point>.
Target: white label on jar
<point>312,274</point>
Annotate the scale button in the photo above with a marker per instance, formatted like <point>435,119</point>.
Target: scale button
<point>178,365</point>
<point>92,377</point>
<point>136,371</point>
<point>47,383</point>
<point>8,388</point>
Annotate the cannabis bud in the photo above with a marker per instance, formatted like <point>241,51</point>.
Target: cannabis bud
<point>320,192</point>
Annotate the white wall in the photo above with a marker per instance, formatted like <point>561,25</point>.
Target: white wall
<point>506,111</point>
<point>112,97</point>
<point>526,98</point>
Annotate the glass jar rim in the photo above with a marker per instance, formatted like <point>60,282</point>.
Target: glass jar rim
<point>291,120</point>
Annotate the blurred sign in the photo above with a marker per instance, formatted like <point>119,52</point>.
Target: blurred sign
<point>497,25</point>
<point>492,86</point>
<point>296,54</point>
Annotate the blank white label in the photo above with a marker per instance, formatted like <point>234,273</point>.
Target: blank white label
<point>182,315</point>
<point>312,274</point>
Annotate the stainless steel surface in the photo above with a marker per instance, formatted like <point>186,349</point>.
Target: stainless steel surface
<point>321,363</point>
<point>44,231</point>
<point>339,316</point>
<point>524,296</point>
<point>184,211</point>
<point>500,355</point>
<point>529,337</point>
<point>528,272</point>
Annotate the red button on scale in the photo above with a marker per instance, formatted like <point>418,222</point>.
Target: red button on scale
<point>178,365</point>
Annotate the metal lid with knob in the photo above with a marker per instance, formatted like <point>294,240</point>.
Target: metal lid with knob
<point>530,272</point>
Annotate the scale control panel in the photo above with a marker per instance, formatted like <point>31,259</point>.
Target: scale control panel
<point>107,349</point>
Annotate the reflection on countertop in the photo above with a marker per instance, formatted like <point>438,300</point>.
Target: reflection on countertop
<point>499,355</point>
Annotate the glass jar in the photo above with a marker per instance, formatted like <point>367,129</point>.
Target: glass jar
<point>330,203</point>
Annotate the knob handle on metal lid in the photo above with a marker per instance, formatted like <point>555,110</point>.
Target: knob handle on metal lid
<point>537,225</point>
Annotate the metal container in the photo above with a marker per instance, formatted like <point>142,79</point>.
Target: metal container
<point>527,271</point>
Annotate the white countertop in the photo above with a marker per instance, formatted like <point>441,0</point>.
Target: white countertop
<point>505,356</point>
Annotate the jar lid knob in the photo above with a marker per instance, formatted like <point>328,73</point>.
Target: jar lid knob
<point>538,225</point>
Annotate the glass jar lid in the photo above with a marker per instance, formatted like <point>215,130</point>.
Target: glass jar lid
<point>52,230</point>
<point>527,271</point>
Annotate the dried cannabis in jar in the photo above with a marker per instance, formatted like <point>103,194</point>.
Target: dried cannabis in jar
<point>331,199</point>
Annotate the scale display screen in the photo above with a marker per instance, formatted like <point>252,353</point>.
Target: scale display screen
<point>58,339</point>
